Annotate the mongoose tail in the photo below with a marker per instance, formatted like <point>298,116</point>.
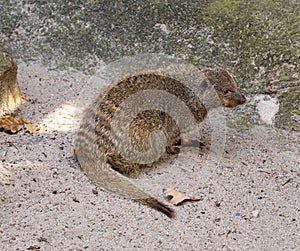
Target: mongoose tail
<point>104,176</point>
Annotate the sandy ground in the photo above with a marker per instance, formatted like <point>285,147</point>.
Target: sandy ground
<point>47,203</point>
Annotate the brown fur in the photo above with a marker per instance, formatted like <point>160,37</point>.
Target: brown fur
<point>97,151</point>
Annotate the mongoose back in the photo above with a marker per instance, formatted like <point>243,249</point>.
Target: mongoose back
<point>97,144</point>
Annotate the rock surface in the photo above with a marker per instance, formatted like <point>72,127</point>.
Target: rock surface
<point>258,41</point>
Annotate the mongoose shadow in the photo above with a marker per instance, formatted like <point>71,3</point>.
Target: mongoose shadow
<point>138,120</point>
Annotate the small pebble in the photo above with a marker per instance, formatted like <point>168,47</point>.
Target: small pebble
<point>255,213</point>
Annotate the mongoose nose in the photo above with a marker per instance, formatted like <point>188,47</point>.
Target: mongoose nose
<point>243,101</point>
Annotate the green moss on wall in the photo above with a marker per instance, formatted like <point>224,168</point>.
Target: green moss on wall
<point>289,109</point>
<point>256,33</point>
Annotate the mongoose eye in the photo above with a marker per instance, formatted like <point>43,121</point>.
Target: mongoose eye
<point>227,91</point>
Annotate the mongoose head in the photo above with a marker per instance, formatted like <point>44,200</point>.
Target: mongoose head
<point>225,86</point>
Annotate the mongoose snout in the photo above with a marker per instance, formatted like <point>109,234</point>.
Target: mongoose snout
<point>233,99</point>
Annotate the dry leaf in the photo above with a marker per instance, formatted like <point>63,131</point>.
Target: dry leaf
<point>218,203</point>
<point>11,124</point>
<point>34,247</point>
<point>32,128</point>
<point>177,197</point>
<point>14,125</point>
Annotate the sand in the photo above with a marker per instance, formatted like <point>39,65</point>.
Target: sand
<point>47,202</point>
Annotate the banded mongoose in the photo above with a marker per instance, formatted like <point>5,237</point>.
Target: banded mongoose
<point>97,144</point>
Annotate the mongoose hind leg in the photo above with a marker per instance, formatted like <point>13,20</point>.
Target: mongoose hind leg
<point>125,167</point>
